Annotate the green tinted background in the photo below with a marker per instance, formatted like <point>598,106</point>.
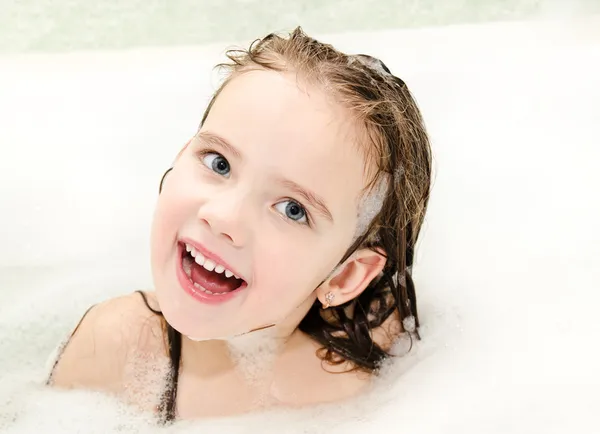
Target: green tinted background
<point>64,25</point>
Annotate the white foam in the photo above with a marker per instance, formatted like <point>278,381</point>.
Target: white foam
<point>254,355</point>
<point>370,205</point>
<point>506,271</point>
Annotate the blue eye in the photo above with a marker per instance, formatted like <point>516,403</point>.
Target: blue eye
<point>294,211</point>
<point>217,163</point>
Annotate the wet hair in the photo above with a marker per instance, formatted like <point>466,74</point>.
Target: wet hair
<point>397,154</point>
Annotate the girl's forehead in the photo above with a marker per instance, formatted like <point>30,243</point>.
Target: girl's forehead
<point>278,124</point>
<point>278,106</point>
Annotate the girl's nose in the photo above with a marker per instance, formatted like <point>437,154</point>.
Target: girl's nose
<point>226,219</point>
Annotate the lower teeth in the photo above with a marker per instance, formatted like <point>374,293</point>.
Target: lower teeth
<point>207,291</point>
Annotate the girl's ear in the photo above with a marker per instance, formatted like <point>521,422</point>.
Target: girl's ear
<point>352,277</point>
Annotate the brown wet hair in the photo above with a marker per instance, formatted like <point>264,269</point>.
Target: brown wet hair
<point>396,149</point>
<point>395,146</point>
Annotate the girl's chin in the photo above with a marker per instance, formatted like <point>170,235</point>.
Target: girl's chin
<point>178,316</point>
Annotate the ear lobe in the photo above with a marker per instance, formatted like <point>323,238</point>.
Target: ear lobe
<point>355,275</point>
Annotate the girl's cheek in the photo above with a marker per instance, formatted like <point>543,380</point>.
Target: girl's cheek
<point>167,220</point>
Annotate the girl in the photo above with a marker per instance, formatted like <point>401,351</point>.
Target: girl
<point>282,244</point>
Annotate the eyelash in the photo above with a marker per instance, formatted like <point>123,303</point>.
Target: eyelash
<point>203,153</point>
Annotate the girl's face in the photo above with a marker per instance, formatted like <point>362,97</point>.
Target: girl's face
<point>268,188</point>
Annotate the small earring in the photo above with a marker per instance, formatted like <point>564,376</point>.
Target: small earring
<point>163,179</point>
<point>328,300</point>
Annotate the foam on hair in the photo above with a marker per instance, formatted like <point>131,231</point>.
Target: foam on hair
<point>370,206</point>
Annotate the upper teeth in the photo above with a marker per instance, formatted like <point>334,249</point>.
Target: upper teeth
<point>209,264</point>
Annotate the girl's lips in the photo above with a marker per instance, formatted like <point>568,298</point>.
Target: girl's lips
<point>211,255</point>
<point>197,294</point>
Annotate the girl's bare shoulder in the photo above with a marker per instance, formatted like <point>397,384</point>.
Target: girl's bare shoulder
<point>107,337</point>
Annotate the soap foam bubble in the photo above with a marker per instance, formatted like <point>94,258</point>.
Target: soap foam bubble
<point>27,405</point>
<point>254,355</point>
<point>370,205</point>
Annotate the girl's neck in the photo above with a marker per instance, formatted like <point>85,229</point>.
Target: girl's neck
<point>259,360</point>
<point>252,355</point>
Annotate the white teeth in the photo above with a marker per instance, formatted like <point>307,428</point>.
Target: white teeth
<point>199,259</point>
<point>202,289</point>
<point>209,265</point>
<point>207,291</point>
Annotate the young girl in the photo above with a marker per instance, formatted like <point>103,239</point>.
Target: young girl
<point>281,248</point>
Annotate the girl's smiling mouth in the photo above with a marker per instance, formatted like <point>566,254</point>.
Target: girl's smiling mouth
<point>203,279</point>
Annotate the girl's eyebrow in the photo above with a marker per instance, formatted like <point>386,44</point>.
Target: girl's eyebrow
<point>317,202</point>
<point>220,142</point>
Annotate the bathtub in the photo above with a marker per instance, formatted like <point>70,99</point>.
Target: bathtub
<point>507,270</point>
